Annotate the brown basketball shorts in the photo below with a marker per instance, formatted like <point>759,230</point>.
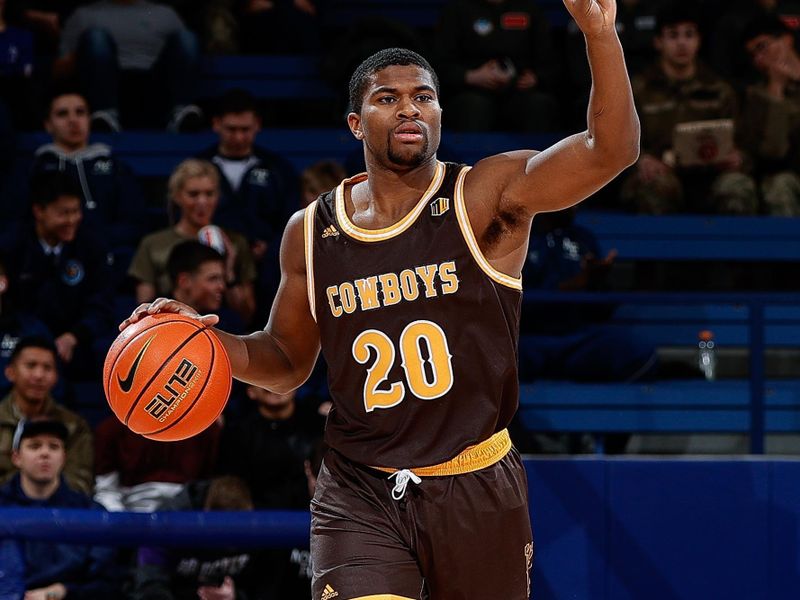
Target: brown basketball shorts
<point>455,537</point>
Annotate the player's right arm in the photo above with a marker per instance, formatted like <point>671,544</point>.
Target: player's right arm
<point>282,356</point>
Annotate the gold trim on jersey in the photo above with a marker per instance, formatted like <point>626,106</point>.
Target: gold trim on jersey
<point>469,236</point>
<point>308,234</point>
<point>378,235</point>
<point>473,458</point>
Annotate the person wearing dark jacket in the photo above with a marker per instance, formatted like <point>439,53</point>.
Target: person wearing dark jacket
<point>496,59</point>
<point>54,570</point>
<point>113,202</point>
<point>259,190</point>
<point>61,274</point>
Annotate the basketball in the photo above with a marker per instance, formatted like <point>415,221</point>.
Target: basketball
<point>167,377</point>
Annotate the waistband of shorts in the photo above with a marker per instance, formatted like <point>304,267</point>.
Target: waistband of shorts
<point>472,458</point>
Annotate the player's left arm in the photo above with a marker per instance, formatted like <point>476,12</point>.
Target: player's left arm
<point>525,182</point>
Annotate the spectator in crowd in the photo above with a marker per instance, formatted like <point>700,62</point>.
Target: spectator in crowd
<point>699,174</point>
<point>32,371</point>
<point>193,187</point>
<point>136,50</point>
<point>210,573</point>
<point>61,274</point>
<point>277,439</point>
<point>197,274</point>
<point>725,55</point>
<point>771,120</point>
<point>55,571</point>
<point>319,178</point>
<point>258,188</point>
<point>14,325</point>
<point>113,202</point>
<point>496,59</point>
<point>138,474</point>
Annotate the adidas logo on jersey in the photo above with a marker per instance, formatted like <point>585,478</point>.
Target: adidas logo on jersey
<point>328,592</point>
<point>439,206</point>
<point>329,231</point>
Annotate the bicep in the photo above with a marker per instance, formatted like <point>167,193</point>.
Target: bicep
<point>554,179</point>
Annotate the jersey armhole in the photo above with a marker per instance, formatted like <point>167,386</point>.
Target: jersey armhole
<point>469,237</point>
<point>308,236</point>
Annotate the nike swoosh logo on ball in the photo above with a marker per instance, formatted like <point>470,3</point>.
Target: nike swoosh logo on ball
<point>126,384</point>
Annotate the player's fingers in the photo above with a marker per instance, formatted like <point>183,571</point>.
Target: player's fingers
<point>137,314</point>
<point>208,320</point>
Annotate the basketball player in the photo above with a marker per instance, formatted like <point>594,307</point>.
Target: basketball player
<point>408,278</point>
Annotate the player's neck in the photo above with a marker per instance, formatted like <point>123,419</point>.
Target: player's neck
<point>391,193</point>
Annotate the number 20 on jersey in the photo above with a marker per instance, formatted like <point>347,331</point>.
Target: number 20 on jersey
<point>428,384</point>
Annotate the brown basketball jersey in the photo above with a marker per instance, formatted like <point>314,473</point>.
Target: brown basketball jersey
<point>418,330</point>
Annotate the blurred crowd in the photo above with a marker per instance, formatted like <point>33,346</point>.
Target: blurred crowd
<point>82,240</point>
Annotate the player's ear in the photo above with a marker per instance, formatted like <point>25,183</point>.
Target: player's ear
<point>354,122</point>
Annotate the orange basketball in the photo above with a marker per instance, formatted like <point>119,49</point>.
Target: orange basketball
<point>167,377</point>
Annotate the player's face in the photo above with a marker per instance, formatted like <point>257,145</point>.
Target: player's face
<point>679,44</point>
<point>68,121</point>
<point>400,120</point>
<point>40,458</point>
<point>197,200</point>
<point>237,133</point>
<point>33,374</point>
<point>207,287</point>
<point>58,221</point>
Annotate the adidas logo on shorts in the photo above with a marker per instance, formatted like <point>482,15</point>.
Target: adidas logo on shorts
<point>328,592</point>
<point>329,231</point>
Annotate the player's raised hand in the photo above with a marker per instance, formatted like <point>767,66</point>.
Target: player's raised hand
<point>167,305</point>
<point>593,17</point>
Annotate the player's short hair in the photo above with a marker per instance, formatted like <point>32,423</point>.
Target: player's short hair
<point>188,256</point>
<point>189,169</point>
<point>32,341</point>
<point>235,101</point>
<point>389,57</point>
<point>675,12</point>
<point>49,186</point>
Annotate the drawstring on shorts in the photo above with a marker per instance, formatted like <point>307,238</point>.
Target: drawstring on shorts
<point>403,476</point>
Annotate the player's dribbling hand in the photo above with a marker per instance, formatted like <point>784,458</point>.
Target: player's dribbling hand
<point>167,305</point>
<point>593,17</point>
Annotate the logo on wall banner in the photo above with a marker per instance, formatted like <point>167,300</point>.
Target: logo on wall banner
<point>440,206</point>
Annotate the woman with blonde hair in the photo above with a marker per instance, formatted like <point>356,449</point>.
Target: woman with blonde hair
<point>193,190</point>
